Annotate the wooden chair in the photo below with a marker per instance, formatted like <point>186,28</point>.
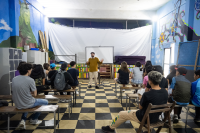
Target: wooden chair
<point>126,88</point>
<point>131,96</point>
<point>166,108</point>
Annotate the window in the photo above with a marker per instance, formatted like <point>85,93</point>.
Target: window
<point>167,60</point>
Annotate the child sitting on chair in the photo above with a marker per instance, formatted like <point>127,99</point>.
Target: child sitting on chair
<point>156,96</point>
<point>136,75</point>
<point>181,91</point>
<point>123,74</point>
<point>195,95</point>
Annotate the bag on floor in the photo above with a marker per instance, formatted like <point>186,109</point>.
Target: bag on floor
<point>59,82</point>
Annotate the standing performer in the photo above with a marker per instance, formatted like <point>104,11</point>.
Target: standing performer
<point>93,63</point>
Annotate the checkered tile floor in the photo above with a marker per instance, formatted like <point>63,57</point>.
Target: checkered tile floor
<point>94,108</point>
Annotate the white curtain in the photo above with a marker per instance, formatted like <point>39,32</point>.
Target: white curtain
<point>70,41</point>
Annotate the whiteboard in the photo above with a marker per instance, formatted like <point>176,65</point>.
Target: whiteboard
<point>105,53</point>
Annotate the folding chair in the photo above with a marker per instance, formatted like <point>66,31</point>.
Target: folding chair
<point>166,108</point>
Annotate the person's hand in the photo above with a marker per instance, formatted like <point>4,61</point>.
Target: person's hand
<point>102,60</point>
<point>87,62</point>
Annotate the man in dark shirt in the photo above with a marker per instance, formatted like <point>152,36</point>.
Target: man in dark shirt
<point>74,73</point>
<point>68,78</point>
<point>156,96</point>
<point>52,72</point>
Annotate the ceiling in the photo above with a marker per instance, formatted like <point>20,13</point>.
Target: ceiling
<point>119,5</point>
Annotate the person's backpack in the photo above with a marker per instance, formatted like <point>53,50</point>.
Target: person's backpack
<point>59,82</point>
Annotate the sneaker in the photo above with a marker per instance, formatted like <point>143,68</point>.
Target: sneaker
<point>179,117</point>
<point>62,100</point>
<point>107,129</point>
<point>77,92</point>
<point>35,122</point>
<point>97,87</point>
<point>89,86</point>
<point>67,101</point>
<point>22,125</point>
<point>175,119</point>
<point>196,119</point>
<point>123,90</point>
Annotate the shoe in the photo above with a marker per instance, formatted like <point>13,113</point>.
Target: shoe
<point>123,90</point>
<point>179,117</point>
<point>196,119</point>
<point>62,100</point>
<point>89,86</point>
<point>77,92</point>
<point>97,87</point>
<point>175,119</point>
<point>35,122</point>
<point>22,125</point>
<point>107,129</point>
<point>67,101</point>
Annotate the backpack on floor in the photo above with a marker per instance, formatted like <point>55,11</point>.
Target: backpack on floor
<point>59,82</point>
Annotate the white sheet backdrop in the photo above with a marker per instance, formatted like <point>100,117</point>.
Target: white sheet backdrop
<point>69,41</point>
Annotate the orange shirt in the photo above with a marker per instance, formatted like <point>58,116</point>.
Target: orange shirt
<point>93,63</point>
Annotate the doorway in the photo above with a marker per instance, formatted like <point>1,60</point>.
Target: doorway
<point>167,61</point>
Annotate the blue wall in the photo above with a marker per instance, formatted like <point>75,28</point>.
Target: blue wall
<point>177,22</point>
<point>22,23</point>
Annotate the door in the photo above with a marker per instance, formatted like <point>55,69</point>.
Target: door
<point>167,60</point>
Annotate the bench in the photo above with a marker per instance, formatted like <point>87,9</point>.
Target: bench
<point>46,108</point>
<point>69,90</point>
<point>6,97</point>
<point>53,97</point>
<point>127,88</point>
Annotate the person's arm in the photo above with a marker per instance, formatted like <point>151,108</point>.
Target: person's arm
<point>173,83</point>
<point>33,88</point>
<point>68,78</point>
<point>193,89</point>
<point>118,73</point>
<point>168,81</point>
<point>88,62</point>
<point>166,85</point>
<point>99,62</point>
<point>77,74</point>
<point>148,87</point>
<point>43,81</point>
<point>142,102</point>
<point>47,72</point>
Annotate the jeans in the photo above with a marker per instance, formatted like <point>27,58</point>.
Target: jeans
<point>38,102</point>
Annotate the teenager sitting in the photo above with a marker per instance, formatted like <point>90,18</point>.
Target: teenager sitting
<point>163,83</point>
<point>145,80</point>
<point>136,75</point>
<point>170,76</point>
<point>17,72</point>
<point>52,72</point>
<point>46,69</point>
<point>123,74</point>
<point>74,73</point>
<point>68,79</point>
<point>195,95</point>
<point>147,64</point>
<point>39,77</point>
<point>23,87</point>
<point>181,92</point>
<point>156,96</point>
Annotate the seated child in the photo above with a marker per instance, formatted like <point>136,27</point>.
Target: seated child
<point>156,96</point>
<point>181,91</point>
<point>123,74</point>
<point>136,75</point>
<point>163,83</point>
<point>74,73</point>
<point>23,90</point>
<point>195,95</point>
